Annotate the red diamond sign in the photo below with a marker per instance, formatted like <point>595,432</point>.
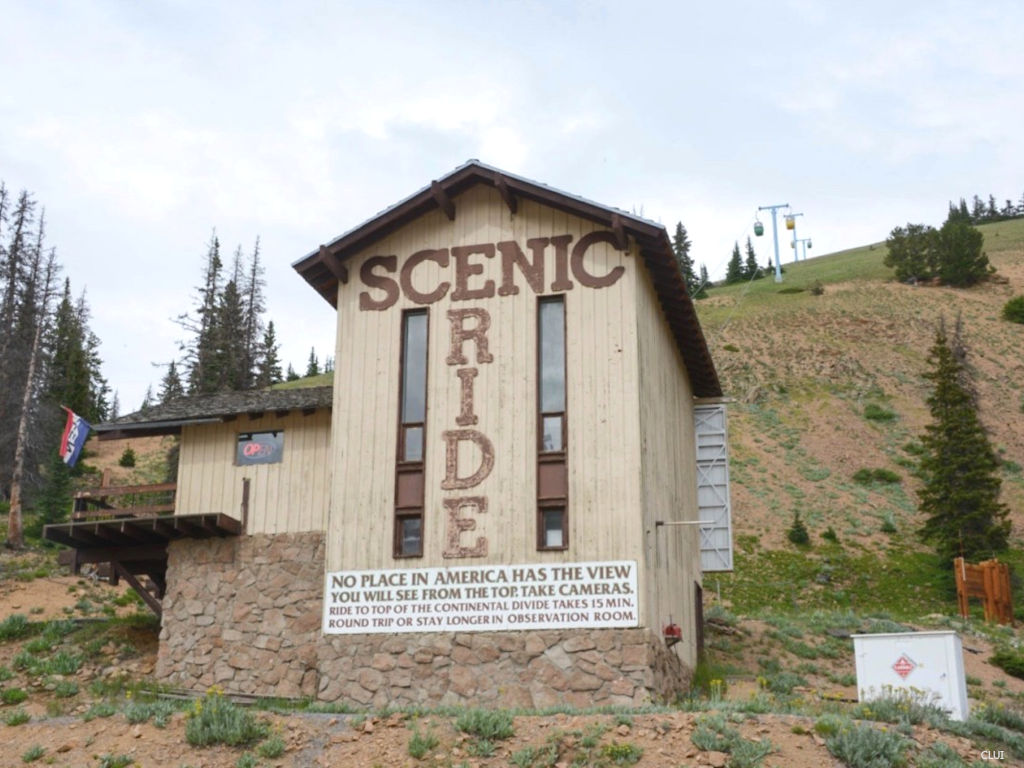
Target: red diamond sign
<point>904,666</point>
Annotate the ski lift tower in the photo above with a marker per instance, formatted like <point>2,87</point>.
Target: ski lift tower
<point>805,243</point>
<point>791,225</point>
<point>775,235</point>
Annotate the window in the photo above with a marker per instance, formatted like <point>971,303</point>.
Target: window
<point>551,330</point>
<point>412,418</point>
<point>414,385</point>
<point>552,426</point>
<point>259,448</point>
<point>551,528</point>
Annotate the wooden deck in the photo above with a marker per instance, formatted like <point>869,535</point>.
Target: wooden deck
<point>129,527</point>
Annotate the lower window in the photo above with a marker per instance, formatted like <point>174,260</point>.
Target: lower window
<point>552,528</point>
<point>409,534</point>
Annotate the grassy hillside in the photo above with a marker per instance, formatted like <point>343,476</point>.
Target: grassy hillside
<point>827,385</point>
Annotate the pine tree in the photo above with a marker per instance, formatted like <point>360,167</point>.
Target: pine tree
<point>312,365</point>
<point>681,249</point>
<point>226,327</point>
<point>734,272</point>
<point>751,271</point>
<point>171,386</point>
<point>253,307</point>
<point>961,260</point>
<point>960,497</point>
<point>705,283</point>
<point>291,375</point>
<point>268,370</point>
<point>200,351</point>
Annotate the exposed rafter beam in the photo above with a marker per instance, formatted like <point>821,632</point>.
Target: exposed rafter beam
<point>506,194</point>
<point>621,239</point>
<point>443,201</point>
<point>332,265</point>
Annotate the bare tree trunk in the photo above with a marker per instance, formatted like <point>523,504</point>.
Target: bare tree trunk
<point>15,534</point>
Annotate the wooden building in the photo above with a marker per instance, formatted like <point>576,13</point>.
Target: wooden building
<point>500,504</point>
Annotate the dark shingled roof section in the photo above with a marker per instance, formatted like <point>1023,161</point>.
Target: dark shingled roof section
<point>169,418</point>
<point>323,267</point>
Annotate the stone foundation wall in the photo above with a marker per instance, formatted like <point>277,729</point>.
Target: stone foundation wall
<point>244,613</point>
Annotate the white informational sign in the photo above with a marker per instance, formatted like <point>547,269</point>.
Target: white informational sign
<point>928,666</point>
<point>482,598</point>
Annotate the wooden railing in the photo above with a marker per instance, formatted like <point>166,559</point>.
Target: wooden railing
<point>112,501</point>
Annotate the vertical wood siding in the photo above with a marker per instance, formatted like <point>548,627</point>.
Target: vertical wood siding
<point>288,497</point>
<point>668,460</point>
<point>602,400</point>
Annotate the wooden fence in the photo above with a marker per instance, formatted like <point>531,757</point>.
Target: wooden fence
<point>990,581</point>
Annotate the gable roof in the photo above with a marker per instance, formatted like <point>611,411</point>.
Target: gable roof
<point>168,418</point>
<point>325,267</point>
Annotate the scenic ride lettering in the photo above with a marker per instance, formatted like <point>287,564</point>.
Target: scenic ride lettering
<point>386,282</point>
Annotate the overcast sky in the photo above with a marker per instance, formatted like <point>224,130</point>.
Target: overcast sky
<point>142,126</point>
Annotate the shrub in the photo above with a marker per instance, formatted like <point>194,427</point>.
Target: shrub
<point>32,754</point>
<point>247,760</point>
<point>875,412</point>
<point>420,745</point>
<point>100,709</point>
<point>862,746</point>
<point>14,626</point>
<point>878,475</point>
<point>13,695</point>
<point>487,724</point>
<point>216,720</point>
<point>272,748</point>
<point>830,535</point>
<point>16,717</point>
<point>888,524</point>
<point>127,458</point>
<point>622,754</point>
<point>65,689</point>
<point>1013,310</point>
<point>116,761</point>
<point>1011,662</point>
<point>797,533</point>
<point>817,288</point>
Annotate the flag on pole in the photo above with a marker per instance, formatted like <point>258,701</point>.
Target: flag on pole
<point>76,432</point>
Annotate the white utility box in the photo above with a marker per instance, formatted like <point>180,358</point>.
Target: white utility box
<point>926,665</point>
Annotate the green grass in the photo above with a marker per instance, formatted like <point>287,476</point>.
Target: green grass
<point>903,582</point>
<point>320,380</point>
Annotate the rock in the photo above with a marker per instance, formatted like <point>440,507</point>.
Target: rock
<point>65,748</point>
<point>717,759</point>
<point>622,730</point>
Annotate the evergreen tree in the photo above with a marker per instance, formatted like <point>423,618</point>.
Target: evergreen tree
<point>226,327</point>
<point>912,252</point>
<point>960,497</point>
<point>229,354</point>
<point>681,249</point>
<point>171,386</point>
<point>268,371</point>
<point>705,282</point>
<point>312,365</point>
<point>200,351</point>
<point>253,304</point>
<point>291,375</point>
<point>961,259</point>
<point>147,399</point>
<point>977,210</point>
<point>115,407</point>
<point>734,272</point>
<point>992,213</point>
<point>959,212</point>
<point>751,271</point>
